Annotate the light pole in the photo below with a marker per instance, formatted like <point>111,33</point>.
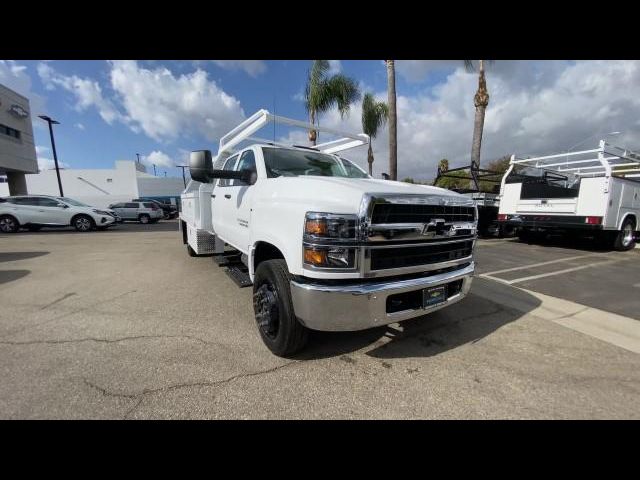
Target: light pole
<point>51,122</point>
<point>154,169</point>
<point>184,179</point>
<point>138,155</point>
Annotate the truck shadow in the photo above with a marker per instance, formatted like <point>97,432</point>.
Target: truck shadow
<point>7,276</point>
<point>12,256</point>
<point>589,244</point>
<point>469,321</point>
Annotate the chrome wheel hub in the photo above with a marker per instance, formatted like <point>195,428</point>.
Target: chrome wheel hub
<point>627,235</point>
<point>7,225</point>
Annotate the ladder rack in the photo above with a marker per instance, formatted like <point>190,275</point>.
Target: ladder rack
<point>259,120</point>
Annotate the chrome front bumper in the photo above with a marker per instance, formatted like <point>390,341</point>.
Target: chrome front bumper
<point>360,306</point>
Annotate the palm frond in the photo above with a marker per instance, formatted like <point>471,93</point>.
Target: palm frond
<point>469,66</point>
<point>374,115</point>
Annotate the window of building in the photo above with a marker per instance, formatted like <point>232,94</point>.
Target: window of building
<point>109,180</point>
<point>11,132</point>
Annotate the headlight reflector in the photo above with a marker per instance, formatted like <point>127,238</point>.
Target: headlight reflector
<point>329,226</point>
<point>329,257</point>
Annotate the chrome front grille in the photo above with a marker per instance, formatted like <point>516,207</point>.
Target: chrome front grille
<point>389,213</point>
<point>413,233</point>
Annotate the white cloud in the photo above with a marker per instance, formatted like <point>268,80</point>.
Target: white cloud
<point>334,67</point>
<point>79,126</point>
<point>15,76</point>
<point>417,70</point>
<point>165,106</point>
<point>251,67</point>
<point>159,159</point>
<point>535,108</point>
<point>87,92</point>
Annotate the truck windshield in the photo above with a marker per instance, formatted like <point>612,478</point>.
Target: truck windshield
<point>281,162</point>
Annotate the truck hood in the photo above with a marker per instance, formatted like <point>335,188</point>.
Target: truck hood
<point>346,193</point>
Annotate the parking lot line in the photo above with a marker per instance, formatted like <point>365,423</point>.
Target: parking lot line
<point>533,265</point>
<point>557,272</point>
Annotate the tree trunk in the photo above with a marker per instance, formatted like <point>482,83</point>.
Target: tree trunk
<point>313,135</point>
<point>393,119</point>
<point>481,100</point>
<point>370,159</point>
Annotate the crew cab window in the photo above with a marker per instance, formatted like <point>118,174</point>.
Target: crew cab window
<point>117,205</point>
<point>47,202</point>
<point>130,205</point>
<point>247,162</point>
<point>283,162</point>
<point>228,165</point>
<point>32,201</point>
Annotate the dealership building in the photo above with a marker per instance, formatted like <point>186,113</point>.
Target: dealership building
<point>101,187</point>
<point>17,148</point>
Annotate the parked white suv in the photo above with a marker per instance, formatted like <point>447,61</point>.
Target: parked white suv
<point>36,211</point>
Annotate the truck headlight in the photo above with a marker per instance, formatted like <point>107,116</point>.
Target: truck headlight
<point>329,257</point>
<point>329,226</point>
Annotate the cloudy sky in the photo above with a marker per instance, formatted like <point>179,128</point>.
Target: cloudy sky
<point>111,110</point>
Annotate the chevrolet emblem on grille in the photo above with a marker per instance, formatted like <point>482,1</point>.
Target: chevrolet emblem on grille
<point>437,227</point>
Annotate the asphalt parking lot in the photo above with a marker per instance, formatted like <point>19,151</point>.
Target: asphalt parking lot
<point>124,324</point>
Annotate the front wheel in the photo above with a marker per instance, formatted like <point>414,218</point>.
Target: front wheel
<point>8,224</point>
<point>83,223</point>
<point>625,239</point>
<point>144,219</point>
<point>279,328</point>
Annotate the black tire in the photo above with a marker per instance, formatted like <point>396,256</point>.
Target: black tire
<point>191,251</point>
<point>144,218</point>
<point>83,223</point>
<point>279,328</point>
<point>9,224</point>
<point>625,239</point>
<point>525,235</point>
<point>166,215</point>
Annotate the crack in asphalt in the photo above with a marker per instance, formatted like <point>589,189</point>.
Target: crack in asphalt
<point>104,340</point>
<point>64,297</point>
<point>141,395</point>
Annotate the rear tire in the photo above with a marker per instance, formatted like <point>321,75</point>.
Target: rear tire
<point>625,239</point>
<point>279,328</point>
<point>9,224</point>
<point>83,223</point>
<point>144,218</point>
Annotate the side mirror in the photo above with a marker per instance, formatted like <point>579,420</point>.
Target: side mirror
<point>62,205</point>
<point>201,166</point>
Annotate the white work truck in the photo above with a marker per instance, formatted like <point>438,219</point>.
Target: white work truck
<point>594,192</point>
<point>324,245</point>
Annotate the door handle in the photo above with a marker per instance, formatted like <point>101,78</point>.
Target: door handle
<point>227,196</point>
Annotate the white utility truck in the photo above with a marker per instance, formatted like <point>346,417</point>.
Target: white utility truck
<point>591,191</point>
<point>324,245</point>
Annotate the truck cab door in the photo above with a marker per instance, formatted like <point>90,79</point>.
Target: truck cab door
<point>220,206</point>
<point>240,208</point>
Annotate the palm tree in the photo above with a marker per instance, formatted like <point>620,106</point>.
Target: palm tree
<point>374,115</point>
<point>481,101</point>
<point>393,120</point>
<point>323,93</point>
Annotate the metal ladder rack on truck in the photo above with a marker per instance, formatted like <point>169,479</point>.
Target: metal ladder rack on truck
<point>591,192</point>
<point>487,203</point>
<point>323,245</point>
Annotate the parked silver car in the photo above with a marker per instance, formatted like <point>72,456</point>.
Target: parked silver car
<point>143,212</point>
